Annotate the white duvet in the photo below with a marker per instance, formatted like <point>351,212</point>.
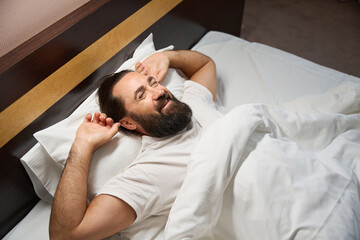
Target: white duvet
<point>265,172</point>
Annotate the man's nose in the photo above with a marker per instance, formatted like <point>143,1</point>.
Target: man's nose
<point>157,93</point>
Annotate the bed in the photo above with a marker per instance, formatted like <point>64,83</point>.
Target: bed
<point>245,196</point>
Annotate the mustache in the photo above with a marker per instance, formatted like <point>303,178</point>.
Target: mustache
<point>163,100</point>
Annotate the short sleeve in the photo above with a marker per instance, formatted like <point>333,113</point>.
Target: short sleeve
<point>135,188</point>
<point>200,100</point>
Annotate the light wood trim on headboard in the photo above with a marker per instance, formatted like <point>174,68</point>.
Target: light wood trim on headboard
<point>31,105</point>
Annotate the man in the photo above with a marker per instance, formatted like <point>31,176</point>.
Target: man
<point>138,103</point>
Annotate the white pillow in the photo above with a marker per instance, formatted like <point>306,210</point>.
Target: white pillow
<point>108,160</point>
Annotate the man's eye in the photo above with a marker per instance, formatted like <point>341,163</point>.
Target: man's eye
<point>141,95</point>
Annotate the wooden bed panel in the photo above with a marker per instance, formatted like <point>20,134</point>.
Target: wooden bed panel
<point>52,55</point>
<point>183,27</point>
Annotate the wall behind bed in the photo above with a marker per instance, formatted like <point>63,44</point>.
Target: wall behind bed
<point>22,19</point>
<point>46,84</point>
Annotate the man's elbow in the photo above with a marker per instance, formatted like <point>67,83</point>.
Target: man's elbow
<point>57,232</point>
<point>63,235</point>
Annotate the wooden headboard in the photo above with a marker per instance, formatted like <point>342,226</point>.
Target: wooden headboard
<point>46,78</point>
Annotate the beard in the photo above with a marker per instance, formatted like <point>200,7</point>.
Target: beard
<point>165,122</point>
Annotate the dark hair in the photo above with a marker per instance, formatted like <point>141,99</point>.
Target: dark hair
<point>109,104</point>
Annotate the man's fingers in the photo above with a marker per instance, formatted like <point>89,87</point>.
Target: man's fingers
<point>102,119</point>
<point>88,117</point>
<point>141,68</point>
<point>112,130</point>
<point>115,128</point>
<point>161,75</point>
<point>99,118</point>
<point>109,122</point>
<point>96,117</point>
<point>137,66</point>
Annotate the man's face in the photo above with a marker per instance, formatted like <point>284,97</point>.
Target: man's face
<point>151,108</point>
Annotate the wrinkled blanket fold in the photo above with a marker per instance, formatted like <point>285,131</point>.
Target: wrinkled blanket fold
<point>264,172</point>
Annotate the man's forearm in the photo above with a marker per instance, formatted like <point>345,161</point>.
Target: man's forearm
<point>198,67</point>
<point>188,61</point>
<point>70,201</point>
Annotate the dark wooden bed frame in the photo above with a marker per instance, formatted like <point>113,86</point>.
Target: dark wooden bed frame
<point>29,64</point>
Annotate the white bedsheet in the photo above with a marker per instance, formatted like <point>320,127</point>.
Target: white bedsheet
<point>263,172</point>
<point>35,226</point>
<point>250,72</point>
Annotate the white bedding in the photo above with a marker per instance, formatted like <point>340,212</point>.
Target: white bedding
<point>250,72</point>
<point>247,73</point>
<point>263,172</point>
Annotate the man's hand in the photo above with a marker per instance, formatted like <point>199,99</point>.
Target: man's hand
<point>157,66</point>
<point>96,131</point>
<point>198,67</point>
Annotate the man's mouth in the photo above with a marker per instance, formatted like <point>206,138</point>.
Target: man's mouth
<point>164,103</point>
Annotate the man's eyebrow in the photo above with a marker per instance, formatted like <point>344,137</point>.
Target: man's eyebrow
<point>150,79</point>
<point>140,89</point>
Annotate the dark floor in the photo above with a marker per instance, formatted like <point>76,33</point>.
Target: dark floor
<point>323,31</point>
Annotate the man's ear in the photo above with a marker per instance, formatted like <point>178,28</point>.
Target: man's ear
<point>127,123</point>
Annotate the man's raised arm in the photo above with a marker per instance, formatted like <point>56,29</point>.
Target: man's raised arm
<point>71,218</point>
<point>197,66</point>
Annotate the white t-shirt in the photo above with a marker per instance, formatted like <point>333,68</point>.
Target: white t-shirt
<point>150,184</point>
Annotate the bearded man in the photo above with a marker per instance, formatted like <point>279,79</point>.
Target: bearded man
<point>136,103</point>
